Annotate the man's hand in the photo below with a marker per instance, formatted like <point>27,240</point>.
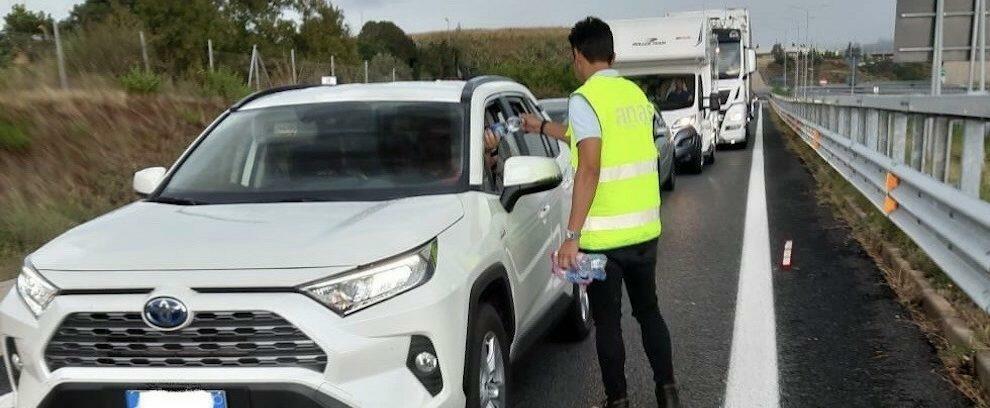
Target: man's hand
<point>531,123</point>
<point>491,141</point>
<point>567,255</point>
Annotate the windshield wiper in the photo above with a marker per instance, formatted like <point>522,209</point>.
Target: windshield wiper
<point>177,201</point>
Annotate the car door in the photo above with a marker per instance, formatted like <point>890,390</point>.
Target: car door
<point>544,233</point>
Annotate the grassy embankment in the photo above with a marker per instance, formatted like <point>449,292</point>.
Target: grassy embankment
<point>66,157</point>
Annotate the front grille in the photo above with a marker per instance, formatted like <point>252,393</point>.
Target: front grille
<point>213,339</point>
<point>723,97</point>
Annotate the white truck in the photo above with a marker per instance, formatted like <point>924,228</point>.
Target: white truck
<point>674,60</point>
<point>736,63</point>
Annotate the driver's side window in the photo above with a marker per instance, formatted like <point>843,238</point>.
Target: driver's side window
<point>494,164</point>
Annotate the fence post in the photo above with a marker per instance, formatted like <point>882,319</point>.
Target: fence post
<point>292,54</point>
<point>209,50</point>
<point>393,74</point>
<point>251,65</point>
<point>60,57</point>
<point>365,71</point>
<point>972,157</point>
<point>899,137</point>
<point>940,146</point>
<point>144,52</point>
<point>333,66</point>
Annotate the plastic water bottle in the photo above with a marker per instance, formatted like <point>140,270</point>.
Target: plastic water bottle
<point>511,125</point>
<point>590,267</point>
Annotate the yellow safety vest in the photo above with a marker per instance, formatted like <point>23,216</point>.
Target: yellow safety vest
<point>626,208</point>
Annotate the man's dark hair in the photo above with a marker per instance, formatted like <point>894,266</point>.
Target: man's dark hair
<point>592,37</point>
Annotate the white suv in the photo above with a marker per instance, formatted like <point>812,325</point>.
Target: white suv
<point>349,246</point>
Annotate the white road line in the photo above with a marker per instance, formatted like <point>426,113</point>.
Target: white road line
<point>753,363</point>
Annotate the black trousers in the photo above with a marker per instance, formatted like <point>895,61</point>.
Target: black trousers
<point>636,265</point>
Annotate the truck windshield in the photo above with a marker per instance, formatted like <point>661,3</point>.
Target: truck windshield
<point>729,60</point>
<point>342,151</point>
<point>668,92</point>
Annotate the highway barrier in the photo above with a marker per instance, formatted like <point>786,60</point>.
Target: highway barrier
<point>921,160</point>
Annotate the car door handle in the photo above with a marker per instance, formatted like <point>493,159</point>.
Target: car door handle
<point>544,211</point>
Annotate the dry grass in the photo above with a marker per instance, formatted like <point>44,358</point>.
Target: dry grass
<point>82,150</point>
<point>874,231</point>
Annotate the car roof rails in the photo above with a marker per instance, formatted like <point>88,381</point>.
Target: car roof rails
<point>270,91</point>
<point>474,83</point>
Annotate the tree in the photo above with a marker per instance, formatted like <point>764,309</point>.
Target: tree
<point>778,53</point>
<point>20,20</point>
<point>179,29</point>
<point>384,37</point>
<point>380,68</point>
<point>94,11</point>
<point>322,32</point>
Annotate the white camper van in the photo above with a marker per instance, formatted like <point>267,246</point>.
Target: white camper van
<point>736,62</point>
<point>673,59</point>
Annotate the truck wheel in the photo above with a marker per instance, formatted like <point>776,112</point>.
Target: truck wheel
<point>698,161</point>
<point>487,360</point>
<point>577,322</point>
<point>710,158</point>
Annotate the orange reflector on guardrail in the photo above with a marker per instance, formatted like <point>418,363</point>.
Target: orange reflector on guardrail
<point>816,139</point>
<point>889,204</point>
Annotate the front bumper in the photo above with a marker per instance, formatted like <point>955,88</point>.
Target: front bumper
<point>367,352</point>
<point>732,133</point>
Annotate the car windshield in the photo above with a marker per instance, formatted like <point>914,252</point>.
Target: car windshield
<point>342,151</point>
<point>729,60</point>
<point>668,92</point>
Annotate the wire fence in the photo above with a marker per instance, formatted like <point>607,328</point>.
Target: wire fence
<point>98,58</point>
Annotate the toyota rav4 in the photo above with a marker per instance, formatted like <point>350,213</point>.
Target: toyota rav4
<point>316,246</point>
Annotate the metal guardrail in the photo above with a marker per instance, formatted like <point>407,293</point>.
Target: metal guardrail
<point>878,88</point>
<point>921,161</point>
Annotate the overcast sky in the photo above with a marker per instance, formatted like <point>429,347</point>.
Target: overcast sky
<point>833,22</point>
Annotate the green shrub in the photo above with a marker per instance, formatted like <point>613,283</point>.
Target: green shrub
<point>139,81</point>
<point>224,83</point>
<point>12,137</point>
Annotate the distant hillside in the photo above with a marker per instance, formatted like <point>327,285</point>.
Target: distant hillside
<point>537,57</point>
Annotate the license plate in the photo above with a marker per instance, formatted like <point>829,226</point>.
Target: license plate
<point>171,399</point>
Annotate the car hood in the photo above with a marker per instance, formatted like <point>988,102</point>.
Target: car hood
<point>671,116</point>
<point>146,236</point>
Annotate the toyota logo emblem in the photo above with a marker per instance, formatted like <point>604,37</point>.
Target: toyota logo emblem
<point>166,313</point>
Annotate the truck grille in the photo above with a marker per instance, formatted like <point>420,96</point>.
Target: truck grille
<point>213,339</point>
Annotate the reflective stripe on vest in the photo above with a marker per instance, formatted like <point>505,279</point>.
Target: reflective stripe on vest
<point>627,171</point>
<point>631,220</point>
<point>626,207</point>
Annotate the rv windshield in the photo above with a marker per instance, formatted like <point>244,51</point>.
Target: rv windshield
<point>668,92</point>
<point>729,60</point>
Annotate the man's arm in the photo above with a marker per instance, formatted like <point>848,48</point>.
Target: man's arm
<point>585,181</point>
<point>532,124</point>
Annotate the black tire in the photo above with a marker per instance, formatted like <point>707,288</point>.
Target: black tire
<point>697,161</point>
<point>577,322</point>
<point>671,181</point>
<point>487,322</point>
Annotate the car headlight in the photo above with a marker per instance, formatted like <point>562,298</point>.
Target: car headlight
<point>375,283</point>
<point>35,290</point>
<point>683,122</point>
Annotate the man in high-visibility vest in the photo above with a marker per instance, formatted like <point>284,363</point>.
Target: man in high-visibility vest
<point>615,208</point>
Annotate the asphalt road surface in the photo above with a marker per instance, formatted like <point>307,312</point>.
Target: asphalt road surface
<point>839,336</point>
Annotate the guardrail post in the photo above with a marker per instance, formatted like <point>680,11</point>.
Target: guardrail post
<point>919,152</point>
<point>940,147</point>
<point>872,129</point>
<point>898,137</point>
<point>843,129</point>
<point>972,157</point>
<point>855,125</point>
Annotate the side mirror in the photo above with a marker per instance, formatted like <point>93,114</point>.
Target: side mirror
<point>147,180</point>
<point>524,175</point>
<point>751,61</point>
<point>714,104</point>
